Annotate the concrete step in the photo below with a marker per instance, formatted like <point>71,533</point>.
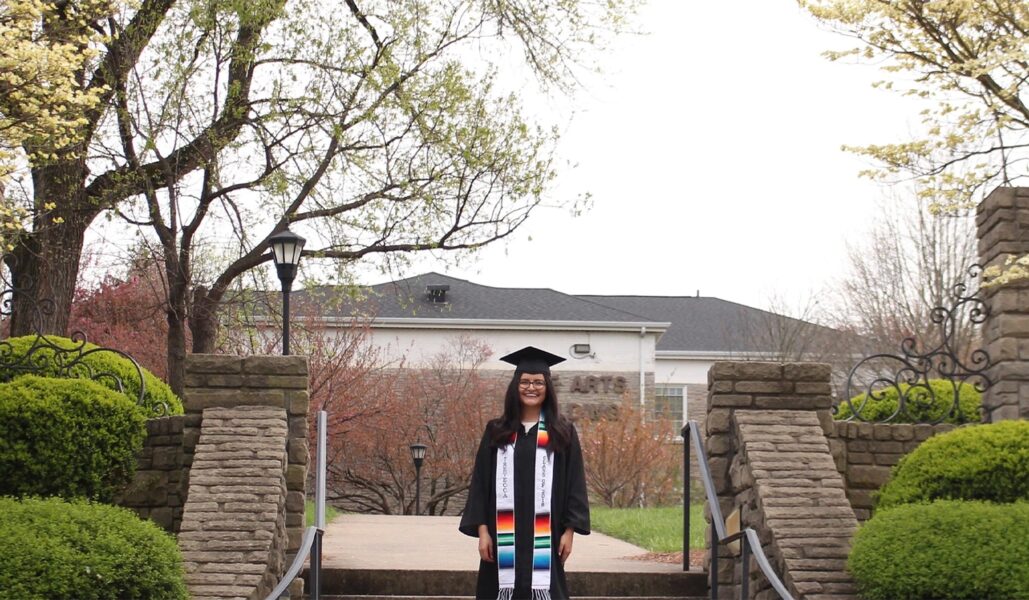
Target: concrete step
<point>324,597</point>
<point>374,584</point>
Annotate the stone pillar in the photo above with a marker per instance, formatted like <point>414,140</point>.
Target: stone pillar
<point>768,428</point>
<point>233,533</point>
<point>216,381</point>
<point>1002,220</point>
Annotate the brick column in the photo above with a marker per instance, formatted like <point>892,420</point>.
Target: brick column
<point>1002,220</point>
<point>768,428</point>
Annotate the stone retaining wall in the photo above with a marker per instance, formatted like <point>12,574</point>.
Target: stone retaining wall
<point>767,441</point>
<point>159,486</point>
<point>225,530</point>
<point>233,535</point>
<point>786,483</point>
<point>866,452</point>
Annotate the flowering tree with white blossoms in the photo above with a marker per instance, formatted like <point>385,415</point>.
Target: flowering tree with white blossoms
<point>42,102</point>
<point>969,59</point>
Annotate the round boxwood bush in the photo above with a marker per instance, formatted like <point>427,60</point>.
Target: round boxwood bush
<point>56,549</point>
<point>157,393</point>
<point>66,437</point>
<point>947,550</point>
<point>920,406</point>
<point>978,462</point>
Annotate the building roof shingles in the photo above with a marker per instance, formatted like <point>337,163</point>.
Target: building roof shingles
<point>698,324</point>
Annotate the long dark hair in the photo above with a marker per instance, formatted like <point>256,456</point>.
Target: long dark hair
<point>502,428</point>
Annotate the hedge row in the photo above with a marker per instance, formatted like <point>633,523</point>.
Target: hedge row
<point>54,549</point>
<point>953,521</point>
<point>77,437</point>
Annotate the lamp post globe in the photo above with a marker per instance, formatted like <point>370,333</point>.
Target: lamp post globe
<point>418,456</point>
<point>287,247</point>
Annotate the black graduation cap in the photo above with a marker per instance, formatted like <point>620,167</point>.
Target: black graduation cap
<point>532,360</point>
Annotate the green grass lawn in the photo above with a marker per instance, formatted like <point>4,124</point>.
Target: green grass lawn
<point>656,529</point>
<point>330,513</point>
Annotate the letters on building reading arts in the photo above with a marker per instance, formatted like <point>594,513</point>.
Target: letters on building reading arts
<point>592,384</point>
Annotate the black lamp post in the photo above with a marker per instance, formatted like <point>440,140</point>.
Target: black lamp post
<point>418,454</point>
<point>286,249</point>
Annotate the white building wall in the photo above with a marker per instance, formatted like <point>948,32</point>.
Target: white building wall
<point>690,374</point>
<point>681,370</point>
<point>610,351</point>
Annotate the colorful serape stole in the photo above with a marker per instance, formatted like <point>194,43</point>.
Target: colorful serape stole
<point>505,518</point>
<point>542,491</point>
<point>541,540</point>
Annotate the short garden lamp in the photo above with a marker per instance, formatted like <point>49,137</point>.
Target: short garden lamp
<point>418,454</point>
<point>286,250</point>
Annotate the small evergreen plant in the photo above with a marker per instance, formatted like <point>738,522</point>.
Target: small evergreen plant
<point>978,462</point>
<point>947,550</point>
<point>67,437</point>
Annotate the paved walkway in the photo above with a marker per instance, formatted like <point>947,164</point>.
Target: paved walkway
<point>434,544</point>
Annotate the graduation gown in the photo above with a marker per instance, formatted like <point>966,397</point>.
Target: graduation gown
<point>569,509</point>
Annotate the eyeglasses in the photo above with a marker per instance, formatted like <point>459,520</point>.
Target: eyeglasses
<point>536,384</point>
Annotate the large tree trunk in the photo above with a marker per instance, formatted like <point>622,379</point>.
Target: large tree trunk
<point>177,270</point>
<point>203,323</point>
<point>176,352</point>
<point>46,265</point>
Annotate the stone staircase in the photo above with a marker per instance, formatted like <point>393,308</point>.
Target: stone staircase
<point>378,557</point>
<point>399,584</point>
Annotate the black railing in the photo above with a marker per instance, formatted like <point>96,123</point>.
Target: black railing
<point>909,375</point>
<point>747,537</point>
<point>47,356</point>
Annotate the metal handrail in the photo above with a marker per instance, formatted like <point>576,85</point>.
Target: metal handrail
<point>311,544</point>
<point>310,534</point>
<point>748,537</point>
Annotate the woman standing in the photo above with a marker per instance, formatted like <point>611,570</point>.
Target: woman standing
<point>527,497</point>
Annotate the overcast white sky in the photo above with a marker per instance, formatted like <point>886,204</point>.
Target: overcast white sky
<point>712,150</point>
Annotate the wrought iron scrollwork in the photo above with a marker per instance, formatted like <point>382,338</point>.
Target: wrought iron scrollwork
<point>908,375</point>
<point>40,354</point>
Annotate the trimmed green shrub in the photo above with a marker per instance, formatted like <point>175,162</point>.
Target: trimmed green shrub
<point>54,549</point>
<point>66,437</point>
<point>978,462</point>
<point>920,406</point>
<point>947,550</point>
<point>156,393</point>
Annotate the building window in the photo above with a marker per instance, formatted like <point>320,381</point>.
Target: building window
<point>670,406</point>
